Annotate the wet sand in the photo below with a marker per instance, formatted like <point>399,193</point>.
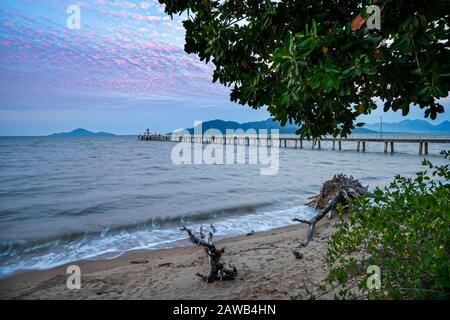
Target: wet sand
<point>265,262</point>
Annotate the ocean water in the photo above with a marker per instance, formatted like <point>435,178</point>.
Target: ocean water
<point>67,199</point>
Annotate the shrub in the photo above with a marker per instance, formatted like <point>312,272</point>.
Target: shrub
<point>404,230</point>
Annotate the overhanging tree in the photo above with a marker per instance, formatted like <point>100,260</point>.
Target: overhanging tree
<point>313,63</point>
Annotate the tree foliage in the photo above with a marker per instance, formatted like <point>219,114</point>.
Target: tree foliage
<point>303,60</point>
<point>403,229</point>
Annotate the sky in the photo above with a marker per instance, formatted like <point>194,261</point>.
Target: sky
<point>123,71</point>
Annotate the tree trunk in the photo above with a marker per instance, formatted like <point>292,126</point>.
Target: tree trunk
<point>340,189</point>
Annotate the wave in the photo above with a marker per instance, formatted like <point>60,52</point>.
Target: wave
<point>156,233</point>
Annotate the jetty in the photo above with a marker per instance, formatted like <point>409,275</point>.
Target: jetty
<point>295,142</point>
<point>148,136</point>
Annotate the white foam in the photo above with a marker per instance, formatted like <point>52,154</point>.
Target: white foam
<point>113,245</point>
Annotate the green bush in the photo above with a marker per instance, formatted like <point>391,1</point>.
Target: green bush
<point>404,230</point>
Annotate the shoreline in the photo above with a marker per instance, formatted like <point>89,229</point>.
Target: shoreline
<point>267,269</point>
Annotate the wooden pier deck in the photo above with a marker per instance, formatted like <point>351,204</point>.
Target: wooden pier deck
<point>154,137</point>
<point>389,143</point>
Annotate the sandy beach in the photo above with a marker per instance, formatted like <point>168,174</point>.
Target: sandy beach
<point>265,262</point>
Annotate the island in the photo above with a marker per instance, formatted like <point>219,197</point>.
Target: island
<point>82,133</point>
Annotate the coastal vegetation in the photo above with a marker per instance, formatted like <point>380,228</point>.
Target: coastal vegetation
<point>320,66</point>
<point>404,230</point>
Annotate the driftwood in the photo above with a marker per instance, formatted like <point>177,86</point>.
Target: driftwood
<point>218,269</point>
<point>340,189</point>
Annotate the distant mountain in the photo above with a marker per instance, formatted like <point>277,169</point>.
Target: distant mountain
<point>268,124</point>
<point>411,126</point>
<point>363,130</point>
<point>404,126</point>
<point>82,133</point>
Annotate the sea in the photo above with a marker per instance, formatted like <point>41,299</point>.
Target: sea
<point>64,199</point>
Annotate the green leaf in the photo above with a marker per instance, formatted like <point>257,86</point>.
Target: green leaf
<point>359,64</point>
<point>314,28</point>
<point>374,37</point>
<point>289,43</point>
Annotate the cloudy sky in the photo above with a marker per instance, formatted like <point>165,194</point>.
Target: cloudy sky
<point>125,70</point>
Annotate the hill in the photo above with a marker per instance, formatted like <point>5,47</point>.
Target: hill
<point>82,133</point>
<point>269,124</point>
<point>411,126</point>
